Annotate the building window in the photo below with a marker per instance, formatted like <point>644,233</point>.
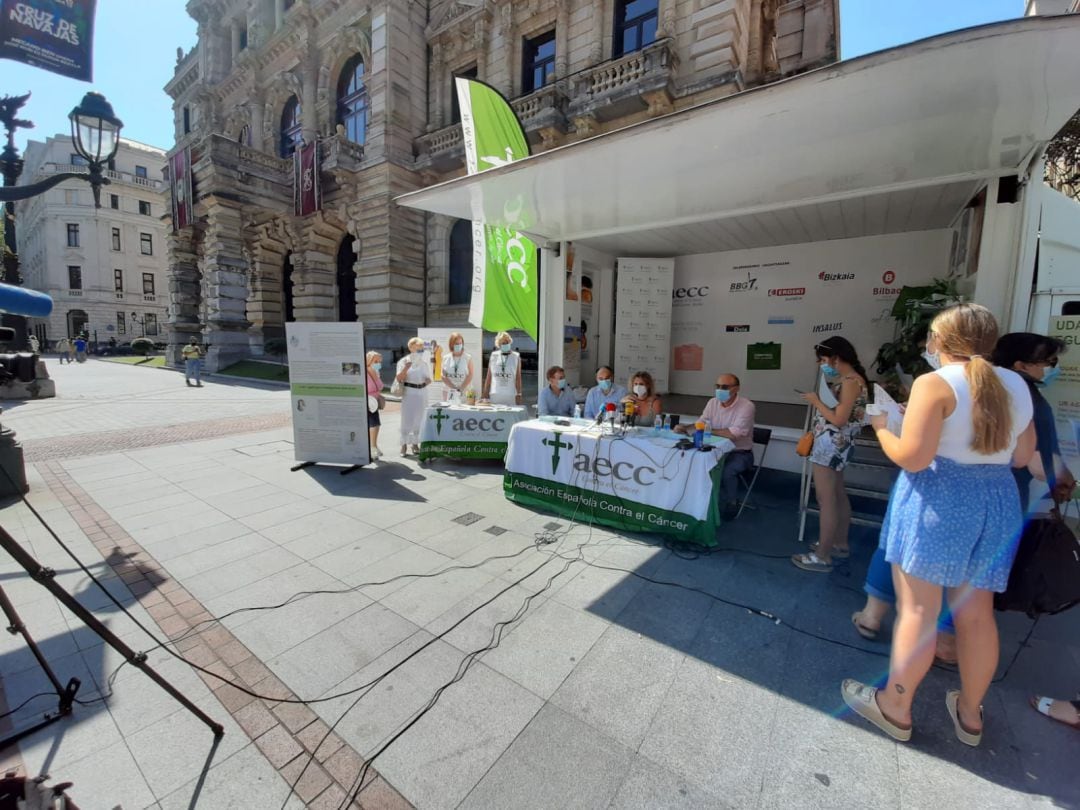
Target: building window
<point>635,25</point>
<point>74,277</point>
<point>461,263</point>
<point>140,171</point>
<point>116,239</point>
<point>121,323</point>
<point>71,196</point>
<point>538,56</point>
<point>243,38</point>
<point>114,202</point>
<point>291,127</point>
<point>245,135</point>
<point>187,120</point>
<point>455,107</point>
<point>78,160</point>
<point>144,208</point>
<point>150,322</point>
<point>353,101</point>
<point>148,283</point>
<point>146,244</point>
<point>118,280</point>
<point>72,235</point>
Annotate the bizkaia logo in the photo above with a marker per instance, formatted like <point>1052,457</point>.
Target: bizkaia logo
<point>836,276</point>
<point>887,278</point>
<point>680,293</point>
<point>827,327</point>
<point>788,292</point>
<point>737,327</point>
<point>744,286</point>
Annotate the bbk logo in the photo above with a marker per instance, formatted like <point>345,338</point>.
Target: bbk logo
<point>744,286</point>
<point>689,292</point>
<point>788,292</point>
<point>836,276</point>
<point>557,445</point>
<point>827,327</point>
<point>618,470</point>
<point>888,277</point>
<point>738,327</point>
<point>438,417</point>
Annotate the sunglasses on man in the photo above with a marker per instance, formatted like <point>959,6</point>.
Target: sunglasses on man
<point>723,387</point>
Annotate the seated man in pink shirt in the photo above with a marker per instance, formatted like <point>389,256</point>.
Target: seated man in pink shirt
<point>732,417</point>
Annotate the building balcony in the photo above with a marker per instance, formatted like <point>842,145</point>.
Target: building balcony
<point>340,154</point>
<point>127,178</point>
<point>639,81</point>
<point>224,166</point>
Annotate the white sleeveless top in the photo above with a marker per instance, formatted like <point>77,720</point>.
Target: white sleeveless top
<point>455,369</point>
<point>503,369</point>
<point>957,432</point>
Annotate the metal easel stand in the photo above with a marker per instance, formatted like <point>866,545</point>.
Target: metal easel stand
<point>46,577</point>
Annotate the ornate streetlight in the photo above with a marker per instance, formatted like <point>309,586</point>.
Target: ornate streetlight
<point>95,132</point>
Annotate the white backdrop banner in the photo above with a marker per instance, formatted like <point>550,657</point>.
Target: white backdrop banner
<point>758,313</point>
<point>642,310</point>
<point>328,383</point>
<point>439,339</point>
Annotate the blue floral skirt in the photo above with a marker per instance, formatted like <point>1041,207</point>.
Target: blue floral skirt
<point>952,524</point>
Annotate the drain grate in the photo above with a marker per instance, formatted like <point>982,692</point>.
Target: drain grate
<point>551,527</point>
<point>495,531</point>
<point>468,519</point>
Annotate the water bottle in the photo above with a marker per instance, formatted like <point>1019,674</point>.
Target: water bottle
<point>667,423</point>
<point>577,411</point>
<point>699,435</point>
<point>658,425</point>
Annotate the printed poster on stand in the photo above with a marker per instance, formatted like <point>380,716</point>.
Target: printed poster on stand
<point>1064,394</point>
<point>438,356</point>
<point>328,383</point>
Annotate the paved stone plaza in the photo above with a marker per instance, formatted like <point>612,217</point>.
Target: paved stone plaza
<point>609,691</point>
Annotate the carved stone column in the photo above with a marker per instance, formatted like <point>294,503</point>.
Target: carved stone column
<point>258,100</point>
<point>665,18</point>
<point>224,272</point>
<point>185,293</point>
<point>562,39</point>
<point>438,80</point>
<point>309,97</point>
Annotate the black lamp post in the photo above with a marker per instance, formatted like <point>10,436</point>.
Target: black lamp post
<point>139,321</point>
<point>95,132</point>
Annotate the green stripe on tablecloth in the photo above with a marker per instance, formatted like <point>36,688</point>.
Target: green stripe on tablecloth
<point>480,450</point>
<point>586,506</point>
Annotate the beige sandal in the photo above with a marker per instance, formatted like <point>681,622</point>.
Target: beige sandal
<point>952,699</point>
<point>862,700</point>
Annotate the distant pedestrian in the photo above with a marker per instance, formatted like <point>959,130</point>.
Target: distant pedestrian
<point>192,355</point>
<point>35,344</point>
<point>63,348</point>
<point>80,349</point>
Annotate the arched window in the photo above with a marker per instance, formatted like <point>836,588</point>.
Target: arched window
<point>352,101</point>
<point>244,138</point>
<point>461,262</point>
<point>291,127</point>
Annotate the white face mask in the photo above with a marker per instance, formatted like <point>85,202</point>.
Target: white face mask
<point>932,360</point>
<point>458,349</point>
<point>640,390</point>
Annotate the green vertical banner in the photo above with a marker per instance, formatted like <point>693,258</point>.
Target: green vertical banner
<point>504,288</point>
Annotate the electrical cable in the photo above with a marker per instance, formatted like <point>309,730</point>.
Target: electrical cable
<point>25,702</point>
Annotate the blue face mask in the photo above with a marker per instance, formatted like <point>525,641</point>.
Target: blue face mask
<point>1050,375</point>
<point>561,384</point>
<point>723,395</point>
<point>505,348</point>
<point>829,371</point>
<point>377,366</point>
<point>605,385</point>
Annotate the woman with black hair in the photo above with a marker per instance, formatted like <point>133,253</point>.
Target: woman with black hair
<point>834,432</point>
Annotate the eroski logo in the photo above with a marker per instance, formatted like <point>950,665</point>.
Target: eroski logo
<point>787,292</point>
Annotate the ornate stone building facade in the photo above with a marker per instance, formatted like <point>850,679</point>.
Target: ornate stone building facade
<point>373,81</point>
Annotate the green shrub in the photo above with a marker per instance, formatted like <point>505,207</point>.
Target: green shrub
<point>275,347</point>
<point>143,346</point>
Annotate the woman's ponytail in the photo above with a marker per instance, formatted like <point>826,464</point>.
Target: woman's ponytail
<point>991,414</point>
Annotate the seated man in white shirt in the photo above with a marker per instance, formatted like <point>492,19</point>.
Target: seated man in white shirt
<point>732,417</point>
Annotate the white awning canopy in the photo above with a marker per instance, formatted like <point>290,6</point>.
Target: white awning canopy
<point>890,142</point>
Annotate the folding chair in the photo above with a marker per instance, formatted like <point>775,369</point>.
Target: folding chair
<point>749,478</point>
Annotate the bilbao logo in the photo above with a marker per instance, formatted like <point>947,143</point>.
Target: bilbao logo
<point>888,278</point>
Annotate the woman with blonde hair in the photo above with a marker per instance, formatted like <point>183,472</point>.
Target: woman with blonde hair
<point>414,375</point>
<point>503,383</point>
<point>647,404</point>
<point>954,519</point>
<point>457,367</point>
<point>373,362</point>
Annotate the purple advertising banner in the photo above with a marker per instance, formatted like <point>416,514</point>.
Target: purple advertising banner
<point>306,194</point>
<point>181,186</point>
<point>54,35</point>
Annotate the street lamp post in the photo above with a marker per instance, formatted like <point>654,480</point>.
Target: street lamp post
<point>135,319</point>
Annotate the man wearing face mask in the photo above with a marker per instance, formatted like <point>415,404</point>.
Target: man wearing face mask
<point>605,391</point>
<point>556,399</point>
<point>732,417</point>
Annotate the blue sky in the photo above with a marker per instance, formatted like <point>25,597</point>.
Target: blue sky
<point>136,40</point>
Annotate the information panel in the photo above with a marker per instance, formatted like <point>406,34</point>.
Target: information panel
<point>328,382</point>
<point>1064,394</point>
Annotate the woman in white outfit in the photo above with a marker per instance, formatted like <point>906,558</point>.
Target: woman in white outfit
<point>414,375</point>
<point>503,383</point>
<point>457,368</point>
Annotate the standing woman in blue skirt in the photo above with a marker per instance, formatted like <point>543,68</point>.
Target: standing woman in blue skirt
<point>953,521</point>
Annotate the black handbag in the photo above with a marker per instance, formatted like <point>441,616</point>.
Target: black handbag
<point>1045,576</point>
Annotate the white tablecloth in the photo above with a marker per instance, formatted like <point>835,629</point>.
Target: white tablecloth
<point>468,431</point>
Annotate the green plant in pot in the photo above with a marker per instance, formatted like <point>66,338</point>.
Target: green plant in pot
<point>914,310</point>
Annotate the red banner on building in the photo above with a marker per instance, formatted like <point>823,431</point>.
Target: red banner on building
<point>307,196</point>
<point>181,187</point>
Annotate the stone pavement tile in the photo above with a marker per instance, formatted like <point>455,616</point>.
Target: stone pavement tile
<point>223,486</point>
<point>179,530</point>
<point>307,779</point>
<point>255,490</point>
<point>395,570</point>
<point>341,650</point>
<point>192,515</point>
<point>425,599</point>
<point>278,746</point>
<point>138,514</point>
<point>109,777</point>
<point>475,631</point>
<point>667,615</point>
<point>599,591</point>
<point>138,702</point>
<point>169,548</point>
<point>209,584</point>
<point>223,553</point>
<point>546,647</point>
<point>316,741</point>
<point>713,729</point>
<point>383,514</point>
<point>242,506</point>
<point>643,670</point>
<point>243,780</point>
<point>650,785</point>
<point>425,525</point>
<point>440,759</point>
<point>271,591</point>
<point>280,513</point>
<point>326,524</point>
<point>455,541</point>
<point>557,761</point>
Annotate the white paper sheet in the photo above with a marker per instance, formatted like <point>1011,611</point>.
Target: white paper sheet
<point>885,404</point>
<point>826,394</point>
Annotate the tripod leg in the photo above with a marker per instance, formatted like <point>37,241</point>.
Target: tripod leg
<point>15,625</point>
<point>46,577</point>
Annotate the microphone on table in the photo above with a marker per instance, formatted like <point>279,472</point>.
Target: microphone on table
<point>609,412</point>
<point>629,413</point>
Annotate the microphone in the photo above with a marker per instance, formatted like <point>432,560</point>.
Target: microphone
<point>609,412</point>
<point>629,412</point>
